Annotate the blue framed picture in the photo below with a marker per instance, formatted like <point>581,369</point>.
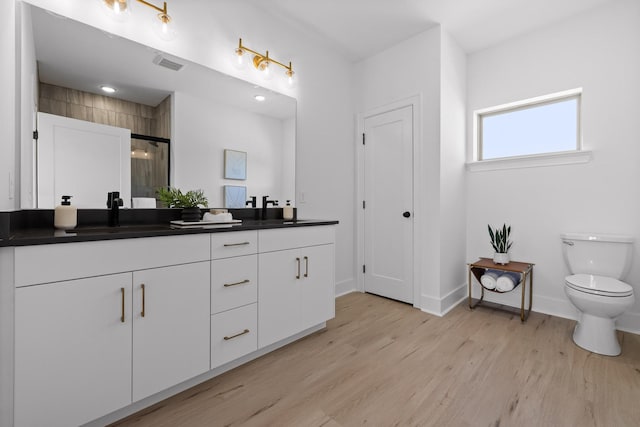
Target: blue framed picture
<point>235,164</point>
<point>235,196</point>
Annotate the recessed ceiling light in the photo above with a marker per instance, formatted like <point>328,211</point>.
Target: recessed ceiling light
<point>108,89</point>
<point>259,98</point>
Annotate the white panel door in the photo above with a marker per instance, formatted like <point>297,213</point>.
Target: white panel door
<point>388,213</point>
<point>171,338</point>
<point>81,159</point>
<point>73,350</point>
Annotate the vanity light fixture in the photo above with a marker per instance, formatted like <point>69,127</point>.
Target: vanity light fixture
<point>263,63</point>
<point>162,24</point>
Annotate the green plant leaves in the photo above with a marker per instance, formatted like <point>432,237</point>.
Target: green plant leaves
<point>500,238</point>
<point>174,198</point>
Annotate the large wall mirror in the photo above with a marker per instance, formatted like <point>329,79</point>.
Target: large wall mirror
<point>191,114</point>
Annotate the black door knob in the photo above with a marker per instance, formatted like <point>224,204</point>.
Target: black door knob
<point>406,214</point>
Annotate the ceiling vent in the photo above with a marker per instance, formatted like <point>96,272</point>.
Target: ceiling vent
<point>167,63</point>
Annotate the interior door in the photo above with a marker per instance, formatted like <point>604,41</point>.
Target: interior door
<point>81,159</point>
<point>388,198</point>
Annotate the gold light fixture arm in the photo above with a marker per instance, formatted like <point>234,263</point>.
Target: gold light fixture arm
<point>260,58</point>
<point>153,6</point>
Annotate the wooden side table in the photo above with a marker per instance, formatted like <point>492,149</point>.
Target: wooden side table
<point>526,269</point>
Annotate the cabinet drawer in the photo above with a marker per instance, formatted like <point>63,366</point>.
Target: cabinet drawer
<point>230,244</point>
<point>233,334</point>
<point>53,263</point>
<point>234,282</point>
<point>286,238</point>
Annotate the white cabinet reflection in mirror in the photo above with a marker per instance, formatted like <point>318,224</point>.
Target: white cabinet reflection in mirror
<point>81,159</point>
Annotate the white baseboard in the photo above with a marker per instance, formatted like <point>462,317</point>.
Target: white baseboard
<point>560,307</point>
<point>441,306</point>
<point>345,287</point>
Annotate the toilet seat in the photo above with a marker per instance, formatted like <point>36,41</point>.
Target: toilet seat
<point>598,285</point>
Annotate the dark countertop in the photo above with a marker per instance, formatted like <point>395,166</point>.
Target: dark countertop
<point>48,235</point>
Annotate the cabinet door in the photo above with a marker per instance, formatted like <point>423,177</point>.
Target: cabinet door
<point>318,285</point>
<point>278,296</point>
<point>72,350</point>
<point>171,339</point>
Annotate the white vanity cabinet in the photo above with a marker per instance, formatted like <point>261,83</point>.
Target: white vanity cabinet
<point>72,350</point>
<point>234,295</point>
<point>297,281</point>
<point>170,326</point>
<point>83,348</point>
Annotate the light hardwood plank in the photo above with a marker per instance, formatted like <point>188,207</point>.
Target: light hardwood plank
<point>384,363</point>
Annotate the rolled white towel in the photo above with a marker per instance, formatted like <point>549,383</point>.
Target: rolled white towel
<point>507,281</point>
<point>488,279</point>
<point>221,217</point>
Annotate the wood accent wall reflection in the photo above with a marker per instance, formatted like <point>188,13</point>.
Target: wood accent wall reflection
<point>140,118</point>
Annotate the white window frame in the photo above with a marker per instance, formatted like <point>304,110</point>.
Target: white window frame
<point>578,155</point>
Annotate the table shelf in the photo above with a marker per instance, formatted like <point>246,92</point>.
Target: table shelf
<point>478,268</point>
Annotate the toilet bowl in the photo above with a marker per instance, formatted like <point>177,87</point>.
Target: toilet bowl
<point>597,262</point>
<point>600,301</point>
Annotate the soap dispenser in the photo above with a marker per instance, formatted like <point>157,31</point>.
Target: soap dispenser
<point>287,211</point>
<point>65,216</point>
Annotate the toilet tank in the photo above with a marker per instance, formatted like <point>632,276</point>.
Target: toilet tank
<point>599,254</point>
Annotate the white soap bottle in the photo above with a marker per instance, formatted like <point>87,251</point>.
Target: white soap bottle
<point>65,216</point>
<point>287,211</point>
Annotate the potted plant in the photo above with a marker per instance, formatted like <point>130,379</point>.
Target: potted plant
<point>500,243</point>
<point>190,202</point>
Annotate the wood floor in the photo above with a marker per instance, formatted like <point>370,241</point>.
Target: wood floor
<point>384,363</point>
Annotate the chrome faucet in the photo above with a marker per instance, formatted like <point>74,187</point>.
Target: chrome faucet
<point>113,203</point>
<point>265,204</point>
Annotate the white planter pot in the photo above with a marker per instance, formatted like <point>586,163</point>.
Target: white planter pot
<point>500,258</point>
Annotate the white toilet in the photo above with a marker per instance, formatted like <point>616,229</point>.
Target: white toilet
<point>597,262</point>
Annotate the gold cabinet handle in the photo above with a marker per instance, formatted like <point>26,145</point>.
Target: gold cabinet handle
<point>122,316</point>
<point>237,244</point>
<point>246,331</point>
<point>142,312</point>
<point>306,266</point>
<point>226,285</point>
<point>298,261</point>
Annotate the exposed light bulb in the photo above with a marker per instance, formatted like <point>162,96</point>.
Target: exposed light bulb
<point>292,80</point>
<point>267,72</point>
<point>118,10</point>
<point>163,27</point>
<point>239,59</point>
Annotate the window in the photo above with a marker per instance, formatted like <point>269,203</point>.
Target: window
<point>544,125</point>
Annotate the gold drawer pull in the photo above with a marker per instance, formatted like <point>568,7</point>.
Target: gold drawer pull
<point>246,331</point>
<point>226,285</point>
<point>122,316</point>
<point>236,244</point>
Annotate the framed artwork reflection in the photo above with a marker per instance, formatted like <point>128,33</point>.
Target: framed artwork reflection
<point>235,196</point>
<point>235,164</point>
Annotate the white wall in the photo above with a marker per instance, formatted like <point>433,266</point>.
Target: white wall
<point>452,172</point>
<point>599,52</point>
<point>416,67</point>
<point>28,108</point>
<point>208,33</point>
<point>204,129</point>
